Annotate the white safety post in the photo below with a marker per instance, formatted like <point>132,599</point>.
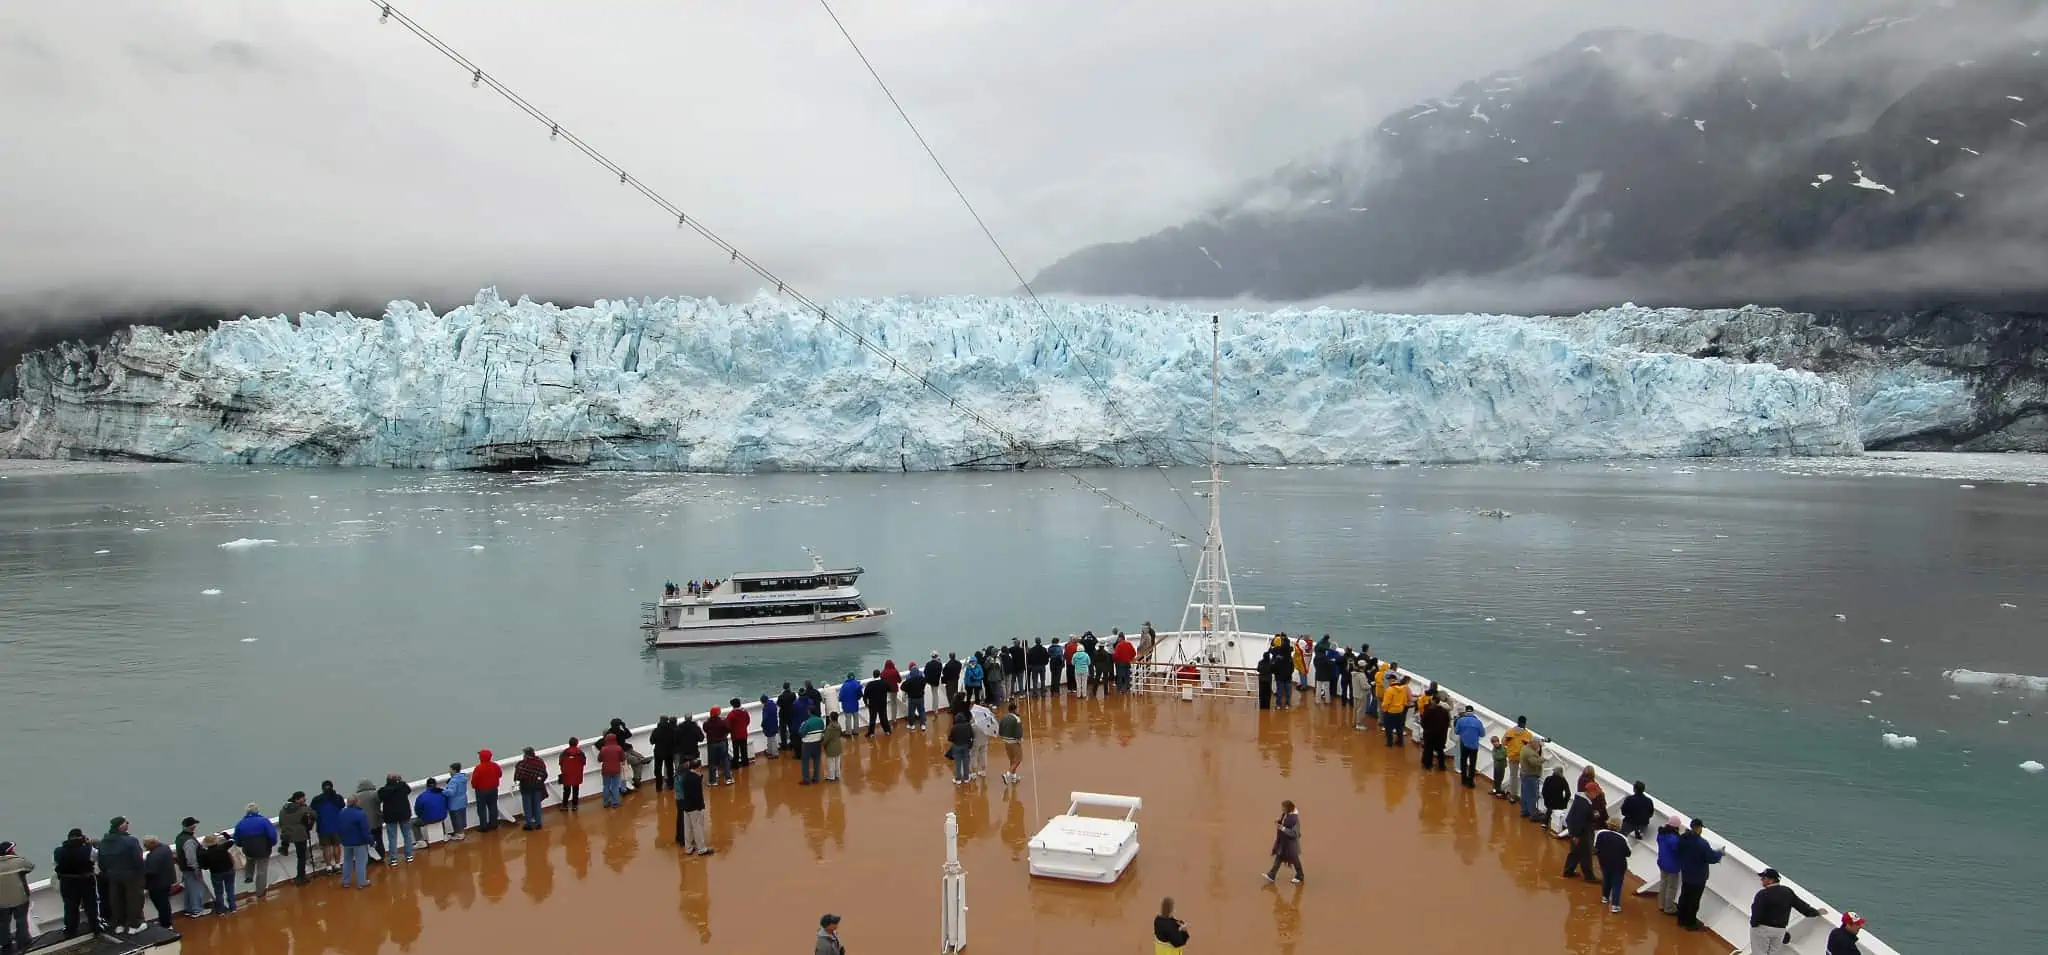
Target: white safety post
<point>953,893</point>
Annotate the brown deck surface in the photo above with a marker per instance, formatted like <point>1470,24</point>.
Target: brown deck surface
<point>1388,848</point>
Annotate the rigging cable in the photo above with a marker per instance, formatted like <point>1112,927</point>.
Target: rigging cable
<point>1108,399</point>
<point>478,78</point>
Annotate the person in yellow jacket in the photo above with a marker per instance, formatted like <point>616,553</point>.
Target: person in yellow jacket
<point>1514,740</point>
<point>1394,712</point>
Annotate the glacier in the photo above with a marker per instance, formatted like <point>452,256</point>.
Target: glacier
<point>702,385</point>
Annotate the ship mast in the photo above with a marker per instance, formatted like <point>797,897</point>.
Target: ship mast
<point>1211,594</point>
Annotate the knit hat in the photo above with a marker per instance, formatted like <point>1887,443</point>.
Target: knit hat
<point>6,848</point>
<point>1848,919</point>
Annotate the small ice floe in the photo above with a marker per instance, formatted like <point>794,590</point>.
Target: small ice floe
<point>2021,124</point>
<point>1489,620</point>
<point>1521,159</point>
<point>2014,98</point>
<point>1865,182</point>
<point>138,530</point>
<point>1578,613</point>
<point>101,553</point>
<point>1749,666</point>
<point>2033,766</point>
<point>1700,124</point>
<point>1678,550</point>
<point>1933,140</point>
<point>476,547</point>
<point>1821,180</point>
<point>1955,696</point>
<point>210,592</point>
<point>248,639</point>
<point>1971,151</point>
<point>1864,702</point>
<point>2010,606</point>
<point>1876,692</point>
<point>2019,681</point>
<point>1841,616</point>
<point>244,543</point>
<point>1895,741</point>
<point>1967,487</point>
<point>1884,639</point>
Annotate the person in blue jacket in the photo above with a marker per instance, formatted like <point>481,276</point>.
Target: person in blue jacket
<point>771,725</point>
<point>1694,857</point>
<point>1470,730</point>
<point>353,827</point>
<point>1667,865</point>
<point>458,801</point>
<point>431,806</point>
<point>327,807</point>
<point>849,704</point>
<point>256,836</point>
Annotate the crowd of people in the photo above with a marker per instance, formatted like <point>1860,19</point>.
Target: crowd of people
<point>103,883</point>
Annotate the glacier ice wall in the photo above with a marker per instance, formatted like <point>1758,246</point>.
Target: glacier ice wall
<point>694,384</point>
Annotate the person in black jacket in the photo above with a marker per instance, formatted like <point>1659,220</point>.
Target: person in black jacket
<point>1636,811</point>
<point>1557,794</point>
<point>1842,941</point>
<point>394,807</point>
<point>689,741</point>
<point>876,700</point>
<point>1168,930</point>
<point>663,738</point>
<point>913,698</point>
<point>692,825</point>
<point>75,882</point>
<point>951,674</point>
<point>1770,913</point>
<point>1611,848</point>
<point>785,710</point>
<point>1035,660</point>
<point>159,873</point>
<point>1578,823</point>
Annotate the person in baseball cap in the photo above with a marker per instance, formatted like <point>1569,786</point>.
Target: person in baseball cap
<point>828,936</point>
<point>1842,940</point>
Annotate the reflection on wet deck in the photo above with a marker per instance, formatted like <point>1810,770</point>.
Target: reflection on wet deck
<point>1388,848</point>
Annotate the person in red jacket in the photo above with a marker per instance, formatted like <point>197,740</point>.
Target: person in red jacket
<point>741,723</point>
<point>572,761</point>
<point>611,765</point>
<point>1125,654</point>
<point>483,780</point>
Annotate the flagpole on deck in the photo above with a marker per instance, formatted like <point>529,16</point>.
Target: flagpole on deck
<point>953,893</point>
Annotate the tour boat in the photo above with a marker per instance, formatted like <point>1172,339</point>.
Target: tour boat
<point>821,603</point>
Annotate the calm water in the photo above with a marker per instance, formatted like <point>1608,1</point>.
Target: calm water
<point>374,636</point>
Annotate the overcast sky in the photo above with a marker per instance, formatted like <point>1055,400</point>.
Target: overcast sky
<point>297,151</point>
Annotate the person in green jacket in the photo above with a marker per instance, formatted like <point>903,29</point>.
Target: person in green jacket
<point>812,735</point>
<point>835,747</point>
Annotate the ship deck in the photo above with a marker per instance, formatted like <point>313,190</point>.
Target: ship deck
<point>1389,848</point>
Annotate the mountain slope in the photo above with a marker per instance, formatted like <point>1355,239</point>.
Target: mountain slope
<point>1624,150</point>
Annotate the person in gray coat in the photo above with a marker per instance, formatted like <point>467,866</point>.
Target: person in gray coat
<point>828,936</point>
<point>14,870</point>
<point>366,800</point>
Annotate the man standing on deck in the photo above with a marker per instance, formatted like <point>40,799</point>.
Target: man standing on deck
<point>951,673</point>
<point>1393,710</point>
<point>876,696</point>
<point>1842,941</point>
<point>1470,729</point>
<point>663,739</point>
<point>913,698</point>
<point>327,808</point>
<point>1578,823</point>
<point>849,705</point>
<point>1770,913</point>
<point>693,825</point>
<point>689,740</point>
<point>1035,660</point>
<point>741,723</point>
<point>484,779</point>
<point>1011,729</point>
<point>1694,858</point>
<point>718,739</point>
<point>15,933</point>
<point>257,838</point>
<point>530,774</point>
<point>185,845</point>
<point>1529,769</point>
<point>812,734</point>
<point>1436,732</point>
<point>785,711</point>
<point>1516,739</point>
<point>76,884</point>
<point>828,936</point>
<point>1122,656</point>
<point>121,862</point>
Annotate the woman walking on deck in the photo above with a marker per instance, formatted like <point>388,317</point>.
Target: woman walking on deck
<point>1286,841</point>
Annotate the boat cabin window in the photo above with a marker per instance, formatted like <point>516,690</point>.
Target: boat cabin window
<point>758,585</point>
<point>840,606</point>
<point>752,611</point>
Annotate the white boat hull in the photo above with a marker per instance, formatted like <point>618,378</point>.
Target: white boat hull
<point>772,631</point>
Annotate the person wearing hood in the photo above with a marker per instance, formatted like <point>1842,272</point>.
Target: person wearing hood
<point>741,723</point>
<point>327,807</point>
<point>430,807</point>
<point>718,741</point>
<point>159,875</point>
<point>76,884</point>
<point>849,704</point>
<point>771,727</point>
<point>834,747</point>
<point>353,829</point>
<point>394,806</point>
<point>663,739</point>
<point>571,764</point>
<point>530,774</point>
<point>891,677</point>
<point>121,862</point>
<point>458,801</point>
<point>483,781</point>
<point>15,935</point>
<point>971,676</point>
<point>185,846</point>
<point>611,771</point>
<point>876,696</point>
<point>366,796</point>
<point>295,822</point>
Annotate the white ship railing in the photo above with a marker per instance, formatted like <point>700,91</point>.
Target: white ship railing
<point>1724,909</point>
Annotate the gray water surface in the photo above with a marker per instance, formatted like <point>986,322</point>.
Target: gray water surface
<point>1710,661</point>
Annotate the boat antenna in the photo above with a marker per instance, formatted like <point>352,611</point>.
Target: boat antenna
<point>1211,594</point>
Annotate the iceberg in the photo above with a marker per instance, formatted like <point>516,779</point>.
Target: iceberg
<point>701,385</point>
<point>2012,681</point>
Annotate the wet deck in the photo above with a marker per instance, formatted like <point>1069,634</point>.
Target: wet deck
<point>1388,848</point>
